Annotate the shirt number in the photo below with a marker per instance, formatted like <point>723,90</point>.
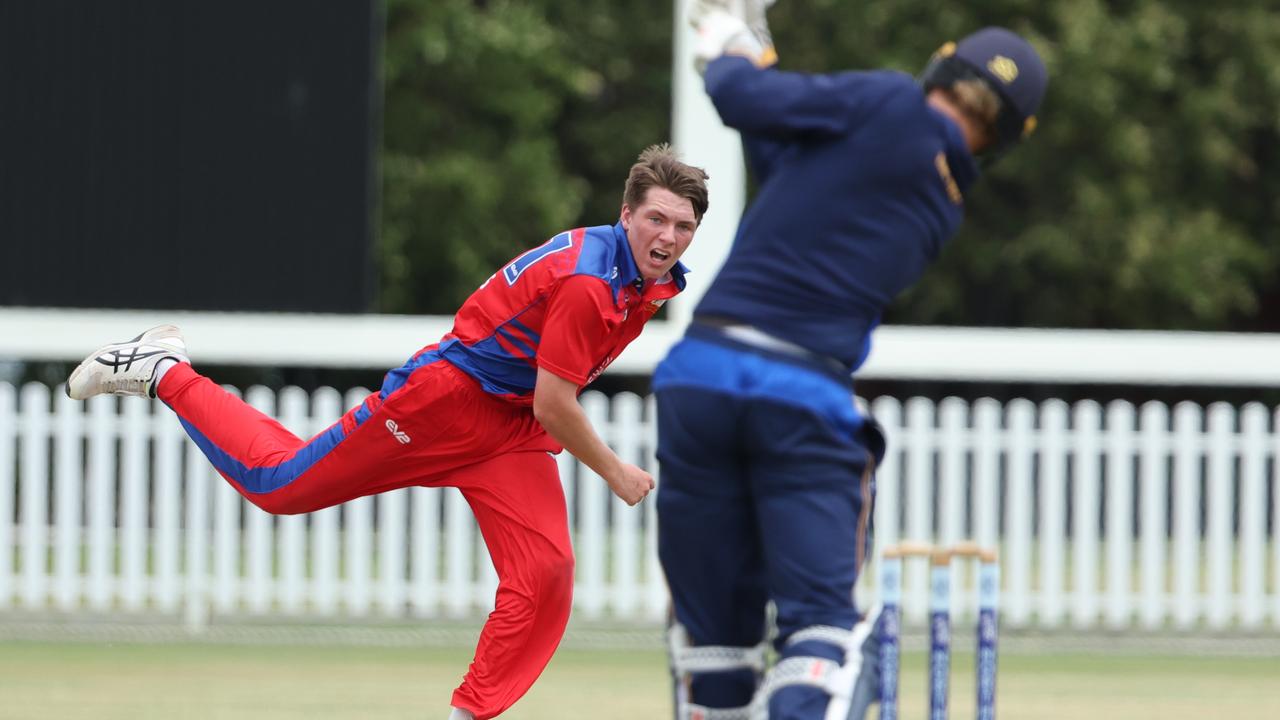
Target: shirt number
<point>512,272</point>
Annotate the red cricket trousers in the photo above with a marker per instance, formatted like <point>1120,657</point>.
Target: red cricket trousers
<point>431,425</point>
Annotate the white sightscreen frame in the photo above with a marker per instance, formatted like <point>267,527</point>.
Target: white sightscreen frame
<point>900,352</point>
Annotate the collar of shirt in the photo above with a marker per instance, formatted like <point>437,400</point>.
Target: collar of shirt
<point>630,274</point>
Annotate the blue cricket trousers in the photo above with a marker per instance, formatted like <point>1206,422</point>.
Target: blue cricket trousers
<point>765,493</point>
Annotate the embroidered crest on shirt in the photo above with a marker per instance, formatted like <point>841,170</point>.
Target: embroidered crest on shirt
<point>953,190</point>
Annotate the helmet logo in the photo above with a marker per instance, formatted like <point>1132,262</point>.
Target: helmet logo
<point>1029,126</point>
<point>1003,68</point>
<point>947,50</point>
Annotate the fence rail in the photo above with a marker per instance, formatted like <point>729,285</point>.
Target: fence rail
<point>1107,517</point>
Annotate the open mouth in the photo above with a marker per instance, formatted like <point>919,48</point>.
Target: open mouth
<point>658,256</point>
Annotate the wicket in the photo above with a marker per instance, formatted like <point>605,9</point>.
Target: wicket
<point>939,625</point>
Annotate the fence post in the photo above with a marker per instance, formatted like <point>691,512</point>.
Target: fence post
<point>1086,512</point>
<point>290,548</point>
<point>228,507</point>
<point>167,510</point>
<point>656,595</point>
<point>1119,533</point>
<point>626,520</point>
<point>1154,549</point>
<point>919,498</point>
<point>100,501</point>
<point>986,472</point>
<point>33,473</point>
<point>357,528</point>
<point>8,491</point>
<point>1187,421</point>
<point>1253,515</point>
<point>199,479</point>
<point>1053,504</point>
<point>1018,512</point>
<point>68,500</point>
<point>325,558</point>
<point>424,544</point>
<point>1220,507</point>
<point>952,481</point>
<point>259,587</point>
<point>888,412</point>
<point>594,499</point>
<point>135,499</point>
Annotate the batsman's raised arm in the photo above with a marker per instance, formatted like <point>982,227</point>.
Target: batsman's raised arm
<point>734,51</point>
<point>784,104</point>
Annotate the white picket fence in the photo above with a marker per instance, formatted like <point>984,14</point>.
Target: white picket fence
<point>1107,517</point>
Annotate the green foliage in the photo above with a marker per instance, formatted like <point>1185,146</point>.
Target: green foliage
<point>1146,199</point>
<point>1149,196</point>
<point>506,122</point>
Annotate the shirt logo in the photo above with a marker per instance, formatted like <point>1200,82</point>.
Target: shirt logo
<point>953,190</point>
<point>397,433</point>
<point>599,369</point>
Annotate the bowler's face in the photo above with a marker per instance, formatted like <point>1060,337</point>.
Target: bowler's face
<point>659,231</point>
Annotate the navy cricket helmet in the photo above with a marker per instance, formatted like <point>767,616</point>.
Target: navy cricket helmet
<point>1009,65</point>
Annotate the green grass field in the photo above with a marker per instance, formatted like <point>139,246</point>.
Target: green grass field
<point>70,681</point>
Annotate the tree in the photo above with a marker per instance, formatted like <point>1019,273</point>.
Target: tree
<point>506,122</point>
<point>1148,198</point>
<point>471,168</point>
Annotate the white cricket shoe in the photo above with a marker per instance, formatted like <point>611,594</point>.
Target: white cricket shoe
<point>127,368</point>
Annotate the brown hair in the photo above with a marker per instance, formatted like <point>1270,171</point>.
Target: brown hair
<point>977,98</point>
<point>658,166</point>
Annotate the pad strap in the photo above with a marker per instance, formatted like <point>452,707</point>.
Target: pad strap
<point>831,635</point>
<point>686,658</point>
<point>718,658</point>
<point>801,670</point>
<point>698,712</point>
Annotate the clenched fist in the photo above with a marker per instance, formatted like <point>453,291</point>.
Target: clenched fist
<point>631,484</point>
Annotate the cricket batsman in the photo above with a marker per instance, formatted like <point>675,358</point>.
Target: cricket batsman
<point>483,410</point>
<point>767,467</point>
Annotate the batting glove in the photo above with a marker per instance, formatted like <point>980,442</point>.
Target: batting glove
<point>721,32</point>
<point>753,13</point>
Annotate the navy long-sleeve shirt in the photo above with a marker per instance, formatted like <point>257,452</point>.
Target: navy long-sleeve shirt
<point>861,183</point>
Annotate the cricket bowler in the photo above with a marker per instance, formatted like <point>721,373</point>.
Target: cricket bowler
<point>484,410</point>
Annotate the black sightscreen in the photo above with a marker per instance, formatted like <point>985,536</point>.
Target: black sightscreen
<point>175,154</point>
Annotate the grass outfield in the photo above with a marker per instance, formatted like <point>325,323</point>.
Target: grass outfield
<point>70,681</point>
